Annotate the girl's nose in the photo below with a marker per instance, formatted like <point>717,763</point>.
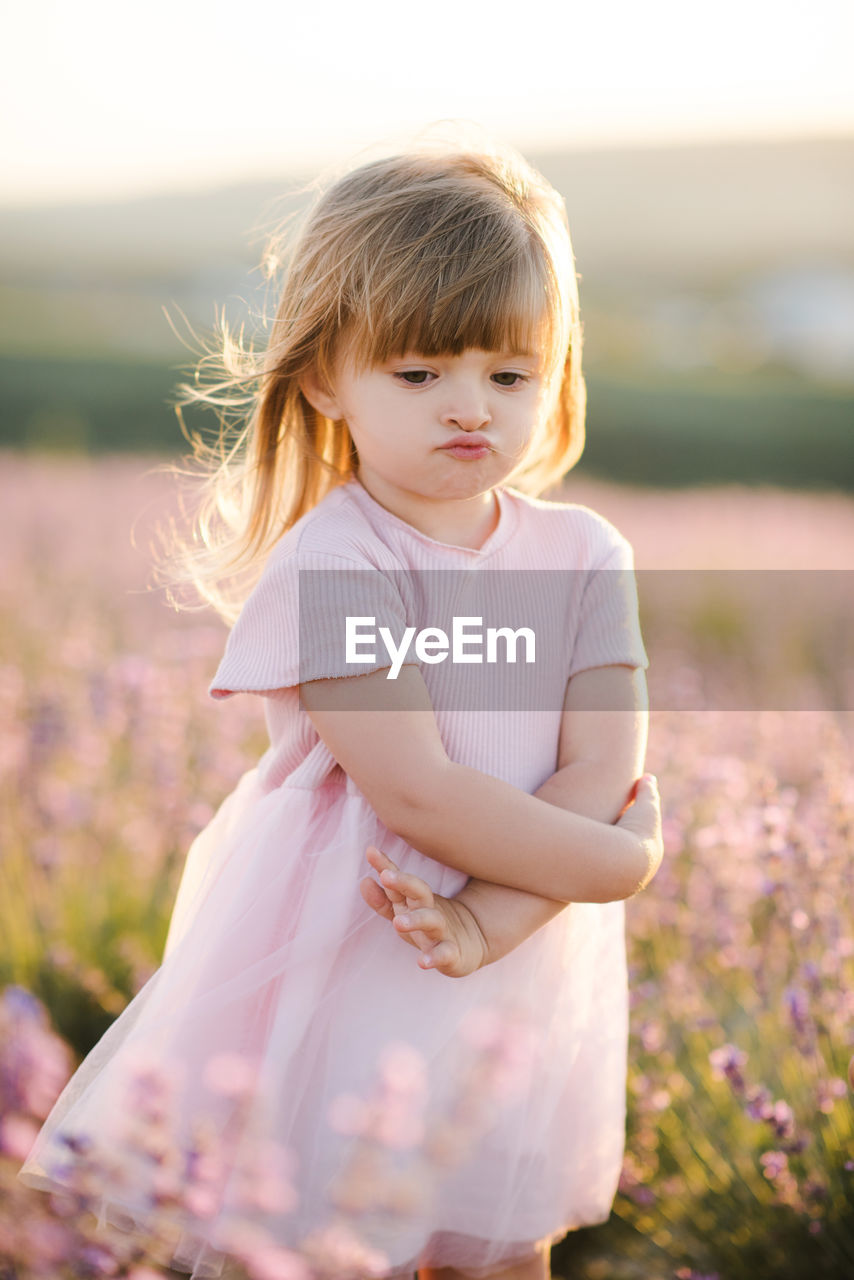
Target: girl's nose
<point>468,411</point>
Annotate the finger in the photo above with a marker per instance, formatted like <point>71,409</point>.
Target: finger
<point>392,894</point>
<point>647,794</point>
<point>387,878</point>
<point>379,861</point>
<point>427,920</point>
<point>409,886</point>
<point>644,816</point>
<point>391,898</point>
<point>444,957</point>
<point>394,897</point>
<point>375,897</point>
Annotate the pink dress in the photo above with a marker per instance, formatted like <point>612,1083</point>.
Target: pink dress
<point>289,1079</point>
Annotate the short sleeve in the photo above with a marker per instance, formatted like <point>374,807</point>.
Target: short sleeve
<point>608,626</point>
<point>312,616</point>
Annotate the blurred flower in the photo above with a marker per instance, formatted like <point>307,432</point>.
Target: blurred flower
<point>97,1261</point>
<point>782,1119</point>
<point>50,1242</point>
<point>337,1250</point>
<point>230,1074</point>
<point>652,1035</point>
<point>727,1062</point>
<point>34,1062</point>
<point>774,1163</point>
<point>17,1135</point>
<point>758,1103</point>
<point>827,1091</point>
<point>349,1114</point>
<point>797,1003</point>
<point>403,1069</point>
<point>264,1259</point>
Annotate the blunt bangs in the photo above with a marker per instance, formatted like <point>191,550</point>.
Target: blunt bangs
<point>444,285</point>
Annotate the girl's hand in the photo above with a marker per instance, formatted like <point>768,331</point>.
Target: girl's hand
<point>444,930</point>
<point>641,817</point>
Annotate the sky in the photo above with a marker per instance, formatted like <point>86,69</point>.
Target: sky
<point>101,100</point>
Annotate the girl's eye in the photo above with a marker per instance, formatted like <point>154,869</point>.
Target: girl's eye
<point>420,377</point>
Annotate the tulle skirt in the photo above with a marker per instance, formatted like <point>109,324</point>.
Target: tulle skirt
<point>291,1085</point>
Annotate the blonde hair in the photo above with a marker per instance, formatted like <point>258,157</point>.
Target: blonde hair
<point>426,252</point>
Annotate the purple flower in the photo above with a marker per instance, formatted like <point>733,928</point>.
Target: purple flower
<point>18,1003</point>
<point>827,1091</point>
<point>758,1104</point>
<point>774,1163</point>
<point>34,1063</point>
<point>726,1061</point>
<point>797,1003</point>
<point>97,1261</point>
<point>782,1119</point>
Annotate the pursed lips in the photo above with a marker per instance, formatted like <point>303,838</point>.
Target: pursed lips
<point>467,442</point>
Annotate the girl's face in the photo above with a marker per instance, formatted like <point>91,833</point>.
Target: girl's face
<point>403,414</point>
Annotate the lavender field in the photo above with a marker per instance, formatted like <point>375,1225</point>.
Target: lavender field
<point>740,1154</point>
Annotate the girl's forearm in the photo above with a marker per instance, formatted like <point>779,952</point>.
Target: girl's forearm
<point>490,829</point>
<point>507,916</point>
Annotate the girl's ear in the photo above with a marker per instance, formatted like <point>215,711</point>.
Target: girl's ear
<point>319,396</point>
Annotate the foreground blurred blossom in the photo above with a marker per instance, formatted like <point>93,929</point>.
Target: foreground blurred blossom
<point>403,1138</point>
<point>230,1074</point>
<point>17,1135</point>
<point>263,1259</point>
<point>403,1070</point>
<point>337,1252</point>
<point>34,1062</point>
<point>158,1182</point>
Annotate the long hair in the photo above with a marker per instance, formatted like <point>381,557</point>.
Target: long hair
<point>427,252</point>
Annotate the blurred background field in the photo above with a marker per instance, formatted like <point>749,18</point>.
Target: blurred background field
<point>717,291</point>
<point>740,1152</point>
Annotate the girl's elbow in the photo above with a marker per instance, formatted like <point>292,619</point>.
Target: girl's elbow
<point>410,810</point>
<point>628,875</point>
<point>648,861</point>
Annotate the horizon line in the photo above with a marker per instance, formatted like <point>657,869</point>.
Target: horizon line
<point>301,171</point>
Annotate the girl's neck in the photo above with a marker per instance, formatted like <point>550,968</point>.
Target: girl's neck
<point>460,522</point>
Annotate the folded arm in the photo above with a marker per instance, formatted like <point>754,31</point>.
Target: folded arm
<point>459,816</point>
<point>600,756</point>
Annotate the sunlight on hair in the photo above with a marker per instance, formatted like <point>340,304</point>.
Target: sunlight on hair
<point>452,244</point>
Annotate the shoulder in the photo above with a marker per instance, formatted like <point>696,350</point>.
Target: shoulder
<point>325,550</point>
<point>297,597</point>
<point>333,535</point>
<point>573,529</point>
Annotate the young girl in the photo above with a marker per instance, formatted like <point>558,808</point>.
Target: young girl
<point>293,1083</point>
